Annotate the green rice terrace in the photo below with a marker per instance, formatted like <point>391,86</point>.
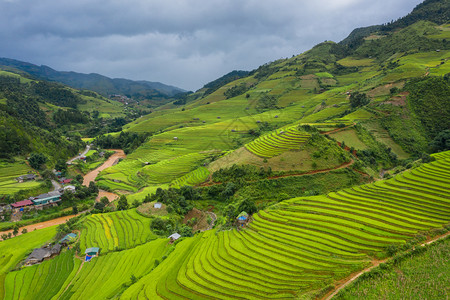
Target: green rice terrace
<point>300,179</point>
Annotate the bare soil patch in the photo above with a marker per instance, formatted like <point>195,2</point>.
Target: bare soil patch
<point>200,222</point>
<point>111,161</point>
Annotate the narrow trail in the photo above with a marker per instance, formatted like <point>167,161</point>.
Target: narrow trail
<point>375,263</point>
<point>70,283</point>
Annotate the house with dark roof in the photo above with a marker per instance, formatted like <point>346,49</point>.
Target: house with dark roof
<point>26,177</point>
<point>38,255</point>
<point>47,199</point>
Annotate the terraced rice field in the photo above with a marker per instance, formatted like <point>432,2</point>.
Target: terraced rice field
<point>41,281</point>
<point>13,250</point>
<point>8,175</point>
<point>277,142</point>
<point>302,245</point>
<point>117,230</point>
<point>195,177</point>
<point>103,277</point>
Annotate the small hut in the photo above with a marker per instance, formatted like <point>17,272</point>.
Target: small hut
<point>68,239</point>
<point>175,138</point>
<point>157,205</point>
<point>174,237</point>
<point>242,218</point>
<point>91,252</point>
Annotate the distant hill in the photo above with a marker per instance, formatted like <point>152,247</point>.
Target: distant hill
<point>139,90</point>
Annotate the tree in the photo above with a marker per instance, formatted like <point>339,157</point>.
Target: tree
<point>15,230</point>
<point>99,205</point>
<point>358,99</point>
<point>104,200</point>
<point>24,231</point>
<point>79,178</point>
<point>123,203</point>
<point>4,236</point>
<point>74,210</point>
<point>136,203</point>
<point>441,142</point>
<point>9,235</point>
<point>93,189</point>
<point>61,165</point>
<point>247,206</point>
<point>36,160</point>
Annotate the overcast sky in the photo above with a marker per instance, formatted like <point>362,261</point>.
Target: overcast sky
<point>176,42</point>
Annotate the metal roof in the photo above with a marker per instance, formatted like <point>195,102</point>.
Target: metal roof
<point>92,249</point>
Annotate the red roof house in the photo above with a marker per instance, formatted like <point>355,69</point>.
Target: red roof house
<point>65,181</point>
<point>22,203</point>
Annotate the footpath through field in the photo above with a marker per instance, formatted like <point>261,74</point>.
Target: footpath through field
<point>375,263</point>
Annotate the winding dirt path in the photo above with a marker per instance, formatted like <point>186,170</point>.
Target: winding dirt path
<point>112,160</point>
<point>353,277</point>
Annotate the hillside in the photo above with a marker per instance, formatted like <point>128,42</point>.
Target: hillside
<point>139,90</point>
<point>300,174</point>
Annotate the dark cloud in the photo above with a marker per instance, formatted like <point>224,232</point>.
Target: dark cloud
<point>179,42</point>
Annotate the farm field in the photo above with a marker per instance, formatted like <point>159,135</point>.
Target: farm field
<point>301,246</point>
<point>41,281</point>
<point>116,230</point>
<point>422,275</point>
<point>107,275</point>
<point>13,250</point>
<point>350,138</point>
<point>8,175</point>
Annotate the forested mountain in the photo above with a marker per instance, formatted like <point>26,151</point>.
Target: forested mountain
<point>139,90</point>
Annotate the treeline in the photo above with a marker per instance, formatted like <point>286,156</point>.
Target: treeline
<point>213,86</point>
<point>128,141</point>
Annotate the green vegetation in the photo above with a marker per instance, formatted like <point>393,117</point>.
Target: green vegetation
<point>115,231</point>
<point>419,274</point>
<point>41,281</point>
<point>15,249</point>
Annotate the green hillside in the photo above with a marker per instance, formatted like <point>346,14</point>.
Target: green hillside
<point>282,182</point>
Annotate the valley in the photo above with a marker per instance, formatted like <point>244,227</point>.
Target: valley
<point>325,175</point>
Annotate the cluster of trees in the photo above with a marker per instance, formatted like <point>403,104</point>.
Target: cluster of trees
<point>216,84</point>
<point>128,141</point>
<point>358,99</point>
<point>236,90</point>
<point>266,102</point>
<point>56,94</point>
<point>70,116</point>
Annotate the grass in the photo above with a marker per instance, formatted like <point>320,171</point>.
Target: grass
<point>350,138</point>
<point>8,174</point>
<point>277,142</point>
<point>41,281</point>
<point>301,246</point>
<point>417,275</point>
<point>108,275</point>
<point>13,250</point>
<point>116,230</point>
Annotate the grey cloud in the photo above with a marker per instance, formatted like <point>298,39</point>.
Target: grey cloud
<point>179,42</point>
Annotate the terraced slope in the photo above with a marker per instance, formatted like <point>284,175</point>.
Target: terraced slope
<point>277,142</point>
<point>117,230</point>
<point>105,276</point>
<point>41,281</point>
<point>302,245</point>
<point>192,178</point>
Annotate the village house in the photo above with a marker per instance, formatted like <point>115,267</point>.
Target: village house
<point>21,205</point>
<point>68,239</point>
<point>242,218</point>
<point>26,177</point>
<point>46,200</point>
<point>38,255</point>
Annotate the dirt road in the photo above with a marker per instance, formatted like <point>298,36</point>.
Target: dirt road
<point>42,225</point>
<point>112,160</point>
